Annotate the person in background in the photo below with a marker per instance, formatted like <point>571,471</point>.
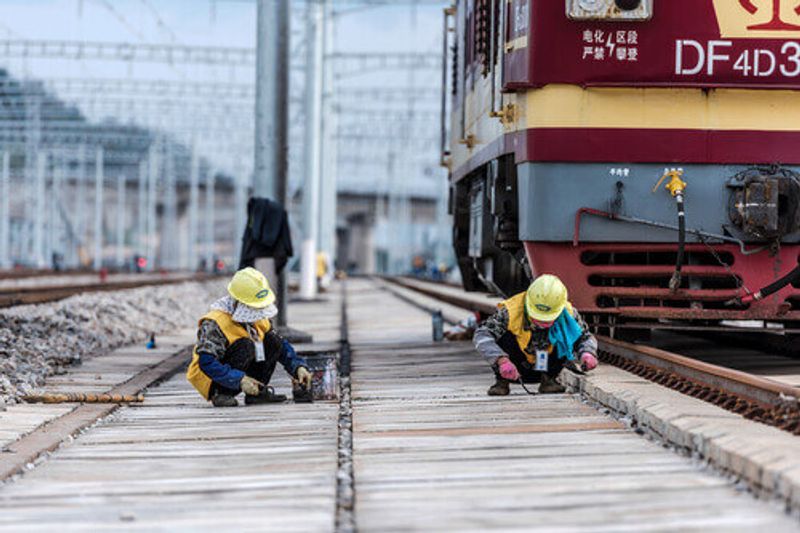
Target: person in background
<point>531,337</point>
<point>237,349</point>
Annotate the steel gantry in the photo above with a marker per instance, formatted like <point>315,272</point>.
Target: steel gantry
<point>171,140</point>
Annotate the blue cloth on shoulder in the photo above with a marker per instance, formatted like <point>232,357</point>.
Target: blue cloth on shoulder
<point>564,333</point>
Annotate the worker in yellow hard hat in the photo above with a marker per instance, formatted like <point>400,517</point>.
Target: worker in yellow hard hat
<point>237,349</point>
<point>323,274</point>
<point>531,337</point>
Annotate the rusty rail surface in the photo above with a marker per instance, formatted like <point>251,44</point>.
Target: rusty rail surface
<point>12,296</point>
<point>28,273</point>
<point>754,397</point>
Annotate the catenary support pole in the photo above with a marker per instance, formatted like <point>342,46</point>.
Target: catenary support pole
<point>141,218</point>
<point>311,188</point>
<point>119,252</point>
<point>58,237</point>
<point>328,194</point>
<point>169,237</point>
<point>40,210</point>
<point>5,212</point>
<point>272,114</point>
<point>50,208</point>
<point>240,203</point>
<point>152,184</point>
<point>193,198</point>
<point>209,218</point>
<point>81,181</point>
<point>98,208</point>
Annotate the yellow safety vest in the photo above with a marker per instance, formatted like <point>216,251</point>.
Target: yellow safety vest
<point>516,323</point>
<point>233,331</point>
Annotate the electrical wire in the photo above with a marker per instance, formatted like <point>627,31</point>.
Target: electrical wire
<point>160,21</point>
<point>121,18</point>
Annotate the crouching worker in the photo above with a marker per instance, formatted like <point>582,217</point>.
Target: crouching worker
<point>531,337</point>
<point>237,349</point>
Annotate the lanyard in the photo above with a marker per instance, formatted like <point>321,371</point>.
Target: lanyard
<point>259,346</point>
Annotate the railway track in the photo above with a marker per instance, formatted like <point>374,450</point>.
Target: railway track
<point>26,273</point>
<point>755,397</point>
<point>44,293</point>
<point>414,444</point>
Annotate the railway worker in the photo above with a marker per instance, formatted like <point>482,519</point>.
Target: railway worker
<point>237,349</point>
<point>531,337</point>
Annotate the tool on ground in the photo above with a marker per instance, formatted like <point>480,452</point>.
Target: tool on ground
<point>301,393</point>
<point>437,320</point>
<point>530,392</point>
<point>266,395</point>
<point>79,397</point>
<point>573,366</point>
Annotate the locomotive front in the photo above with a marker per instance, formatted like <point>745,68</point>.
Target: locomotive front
<point>648,152</point>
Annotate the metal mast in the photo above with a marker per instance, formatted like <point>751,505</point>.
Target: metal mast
<point>272,112</point>
<point>311,188</point>
<point>327,218</point>
<point>5,212</point>
<point>98,208</point>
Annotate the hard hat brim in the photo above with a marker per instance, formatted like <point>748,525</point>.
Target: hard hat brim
<point>535,314</point>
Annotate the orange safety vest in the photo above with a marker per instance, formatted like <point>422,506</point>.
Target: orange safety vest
<point>233,331</point>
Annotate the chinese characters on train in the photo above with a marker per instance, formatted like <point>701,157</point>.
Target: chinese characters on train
<point>603,45</point>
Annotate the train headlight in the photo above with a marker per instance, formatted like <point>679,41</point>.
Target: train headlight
<point>629,10</point>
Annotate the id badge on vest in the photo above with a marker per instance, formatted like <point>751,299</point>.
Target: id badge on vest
<point>541,360</point>
<point>259,351</point>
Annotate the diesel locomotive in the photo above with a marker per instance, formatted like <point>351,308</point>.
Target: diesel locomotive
<point>646,151</point>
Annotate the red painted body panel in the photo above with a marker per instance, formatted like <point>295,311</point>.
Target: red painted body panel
<point>620,145</point>
<point>644,53</point>
<point>756,271</point>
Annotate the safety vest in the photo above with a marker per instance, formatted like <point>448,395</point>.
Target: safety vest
<point>517,317</point>
<point>233,331</point>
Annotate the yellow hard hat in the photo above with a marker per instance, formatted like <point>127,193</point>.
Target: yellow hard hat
<point>546,298</point>
<point>250,287</point>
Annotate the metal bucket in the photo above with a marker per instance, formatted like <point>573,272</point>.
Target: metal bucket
<point>323,368</point>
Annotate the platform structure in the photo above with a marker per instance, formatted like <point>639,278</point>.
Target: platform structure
<point>431,452</point>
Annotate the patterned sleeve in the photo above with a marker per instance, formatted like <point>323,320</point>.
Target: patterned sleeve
<point>488,333</point>
<point>211,340</point>
<point>587,342</point>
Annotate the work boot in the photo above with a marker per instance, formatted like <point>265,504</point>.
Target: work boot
<point>268,396</point>
<point>500,388</point>
<point>549,385</point>
<point>224,400</point>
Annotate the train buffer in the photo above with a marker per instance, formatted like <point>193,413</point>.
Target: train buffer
<point>412,443</point>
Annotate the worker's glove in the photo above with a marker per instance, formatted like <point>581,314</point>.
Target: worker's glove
<point>589,361</point>
<point>304,377</point>
<point>250,386</point>
<point>507,369</point>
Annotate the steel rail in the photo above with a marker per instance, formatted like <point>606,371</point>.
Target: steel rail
<point>754,397</point>
<point>13,296</point>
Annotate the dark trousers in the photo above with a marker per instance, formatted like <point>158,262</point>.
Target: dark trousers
<point>508,343</point>
<point>241,355</point>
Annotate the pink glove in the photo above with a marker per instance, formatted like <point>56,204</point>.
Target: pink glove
<point>588,361</point>
<point>508,370</point>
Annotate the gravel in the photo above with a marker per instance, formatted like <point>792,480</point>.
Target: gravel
<point>37,341</point>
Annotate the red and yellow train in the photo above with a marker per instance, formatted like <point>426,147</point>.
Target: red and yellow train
<point>647,151</point>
